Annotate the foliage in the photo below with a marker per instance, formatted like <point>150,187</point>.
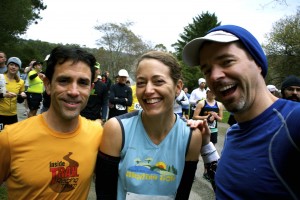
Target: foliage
<point>119,46</point>
<point>225,116</point>
<point>160,47</point>
<point>16,16</point>
<point>201,24</point>
<point>3,193</point>
<point>283,49</point>
<point>28,50</point>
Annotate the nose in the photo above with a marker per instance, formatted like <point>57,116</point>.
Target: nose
<point>217,72</point>
<point>73,89</point>
<point>149,88</point>
<point>296,91</point>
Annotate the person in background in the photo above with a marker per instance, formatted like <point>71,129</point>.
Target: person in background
<point>273,90</point>
<point>151,153</point>
<point>135,103</point>
<point>186,108</point>
<point>53,155</point>
<point>260,153</point>
<point>116,79</point>
<point>180,101</point>
<point>3,67</point>
<point>45,102</point>
<point>35,88</point>
<point>26,79</point>
<point>197,95</point>
<point>108,80</point>
<point>290,88</point>
<point>120,96</point>
<point>212,111</point>
<point>105,79</point>
<point>97,105</point>
<point>14,94</point>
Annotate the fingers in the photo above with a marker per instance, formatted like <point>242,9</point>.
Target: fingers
<point>195,123</point>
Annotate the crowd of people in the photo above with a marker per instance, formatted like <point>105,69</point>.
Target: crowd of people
<point>147,138</point>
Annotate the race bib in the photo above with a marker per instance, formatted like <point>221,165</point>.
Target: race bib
<point>137,106</point>
<point>120,107</point>
<point>133,196</point>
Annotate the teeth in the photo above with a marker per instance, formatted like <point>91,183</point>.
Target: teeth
<point>71,102</point>
<point>152,100</point>
<point>226,88</point>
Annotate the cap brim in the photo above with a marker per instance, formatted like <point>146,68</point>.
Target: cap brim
<point>190,53</point>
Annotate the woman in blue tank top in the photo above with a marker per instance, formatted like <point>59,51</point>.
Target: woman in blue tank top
<point>150,153</point>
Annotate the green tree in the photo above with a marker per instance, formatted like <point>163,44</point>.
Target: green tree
<point>160,47</point>
<point>283,49</point>
<point>201,24</point>
<point>16,16</point>
<point>121,46</point>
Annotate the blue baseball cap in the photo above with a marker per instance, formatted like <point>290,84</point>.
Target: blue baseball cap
<point>226,34</point>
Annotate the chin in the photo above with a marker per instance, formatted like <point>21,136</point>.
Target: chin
<point>70,115</point>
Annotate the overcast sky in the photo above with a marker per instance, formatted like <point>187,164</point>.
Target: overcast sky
<point>158,21</point>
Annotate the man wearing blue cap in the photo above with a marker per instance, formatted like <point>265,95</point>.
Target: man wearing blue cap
<point>259,154</point>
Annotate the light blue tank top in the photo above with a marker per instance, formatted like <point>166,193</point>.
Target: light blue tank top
<point>150,169</point>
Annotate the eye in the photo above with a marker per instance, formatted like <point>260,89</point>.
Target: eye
<point>227,62</point>
<point>84,82</point>
<point>140,83</point>
<point>159,82</point>
<point>205,70</point>
<point>63,81</point>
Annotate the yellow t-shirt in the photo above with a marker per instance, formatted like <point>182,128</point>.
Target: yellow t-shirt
<point>35,85</point>
<point>8,106</point>
<point>41,163</point>
<point>135,103</point>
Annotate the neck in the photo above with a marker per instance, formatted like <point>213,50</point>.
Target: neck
<point>10,76</point>
<point>210,100</point>
<point>58,124</point>
<point>158,128</point>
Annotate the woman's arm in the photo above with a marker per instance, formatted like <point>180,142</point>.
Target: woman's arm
<point>190,166</point>
<point>108,160</point>
<point>197,111</point>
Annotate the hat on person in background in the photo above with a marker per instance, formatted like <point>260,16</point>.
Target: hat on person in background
<point>99,77</point>
<point>272,88</point>
<point>36,63</point>
<point>123,72</point>
<point>291,80</point>
<point>97,65</point>
<point>226,34</point>
<point>15,60</point>
<point>201,80</point>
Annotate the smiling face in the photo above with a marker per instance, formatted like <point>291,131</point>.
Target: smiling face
<point>155,89</point>
<point>232,75</point>
<point>12,68</point>
<point>69,89</point>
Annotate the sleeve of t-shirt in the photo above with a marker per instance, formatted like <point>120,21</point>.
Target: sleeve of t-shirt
<point>4,156</point>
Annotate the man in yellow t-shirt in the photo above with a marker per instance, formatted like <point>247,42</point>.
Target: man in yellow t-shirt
<point>35,88</point>
<point>53,155</point>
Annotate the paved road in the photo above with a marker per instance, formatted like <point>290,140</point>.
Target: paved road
<point>201,189</point>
